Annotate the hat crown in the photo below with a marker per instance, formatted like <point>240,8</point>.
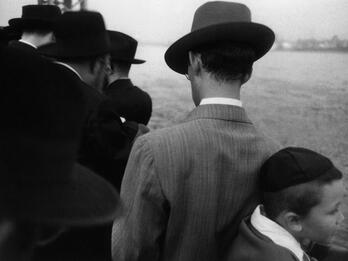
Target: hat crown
<point>123,47</point>
<point>79,24</point>
<point>220,12</point>
<point>81,34</point>
<point>47,12</point>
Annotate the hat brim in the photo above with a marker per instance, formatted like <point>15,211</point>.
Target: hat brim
<point>258,36</point>
<point>138,61</point>
<point>132,61</point>
<point>25,23</point>
<point>86,199</point>
<point>53,50</point>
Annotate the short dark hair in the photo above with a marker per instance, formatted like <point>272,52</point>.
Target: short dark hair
<point>227,61</point>
<point>299,199</point>
<point>120,65</point>
<point>40,31</point>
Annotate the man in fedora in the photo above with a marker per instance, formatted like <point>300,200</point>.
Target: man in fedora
<point>42,189</point>
<point>35,26</point>
<point>186,188</point>
<point>82,49</point>
<point>129,101</point>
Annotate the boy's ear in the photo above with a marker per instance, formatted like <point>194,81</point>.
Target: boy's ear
<point>292,221</point>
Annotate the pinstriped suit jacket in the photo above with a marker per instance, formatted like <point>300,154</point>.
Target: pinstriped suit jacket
<point>186,188</point>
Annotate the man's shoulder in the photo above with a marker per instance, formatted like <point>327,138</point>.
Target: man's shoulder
<point>121,86</point>
<point>22,46</point>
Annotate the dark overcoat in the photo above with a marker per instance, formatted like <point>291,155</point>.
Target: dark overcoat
<point>131,102</point>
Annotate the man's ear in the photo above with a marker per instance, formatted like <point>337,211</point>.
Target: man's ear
<point>292,222</point>
<point>195,62</point>
<point>246,77</point>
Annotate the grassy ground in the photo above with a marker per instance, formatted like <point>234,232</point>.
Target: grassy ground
<point>297,99</point>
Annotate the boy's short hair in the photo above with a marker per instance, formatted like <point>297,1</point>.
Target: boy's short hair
<point>292,179</point>
<point>227,61</point>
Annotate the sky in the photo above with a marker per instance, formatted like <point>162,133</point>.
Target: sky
<point>164,21</point>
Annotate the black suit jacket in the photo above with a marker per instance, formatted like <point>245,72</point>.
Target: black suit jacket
<point>105,147</point>
<point>129,101</point>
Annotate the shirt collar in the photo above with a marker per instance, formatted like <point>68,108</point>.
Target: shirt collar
<point>276,233</point>
<point>221,100</point>
<point>69,67</point>
<point>28,43</point>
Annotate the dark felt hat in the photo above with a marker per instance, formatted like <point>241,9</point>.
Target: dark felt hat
<point>78,35</point>
<point>293,166</point>
<point>123,48</point>
<point>36,17</point>
<point>4,38</point>
<point>220,21</point>
<point>42,114</point>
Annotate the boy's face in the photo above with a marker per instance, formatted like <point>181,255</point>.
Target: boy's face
<point>323,219</point>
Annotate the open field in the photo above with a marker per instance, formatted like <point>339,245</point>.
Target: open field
<point>298,99</point>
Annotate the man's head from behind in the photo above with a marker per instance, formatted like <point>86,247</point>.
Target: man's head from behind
<point>36,23</point>
<point>221,47</point>
<point>303,192</point>
<point>222,63</point>
<point>122,52</point>
<point>82,42</point>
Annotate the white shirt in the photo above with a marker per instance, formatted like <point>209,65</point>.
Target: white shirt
<point>276,233</point>
<point>221,100</point>
<point>23,41</point>
<point>69,67</point>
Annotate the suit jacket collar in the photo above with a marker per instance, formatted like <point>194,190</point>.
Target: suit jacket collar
<point>120,83</point>
<point>219,111</point>
<point>21,45</point>
<point>123,82</point>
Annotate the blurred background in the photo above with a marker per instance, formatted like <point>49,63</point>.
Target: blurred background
<point>298,94</point>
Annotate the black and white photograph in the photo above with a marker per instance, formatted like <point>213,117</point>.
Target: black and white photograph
<point>173,130</point>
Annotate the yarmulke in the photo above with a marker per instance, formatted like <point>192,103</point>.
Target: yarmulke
<point>293,166</point>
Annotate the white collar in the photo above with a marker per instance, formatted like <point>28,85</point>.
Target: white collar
<point>276,233</point>
<point>69,67</point>
<point>28,43</point>
<point>221,100</point>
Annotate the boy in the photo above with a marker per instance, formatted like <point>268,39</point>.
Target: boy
<point>301,196</point>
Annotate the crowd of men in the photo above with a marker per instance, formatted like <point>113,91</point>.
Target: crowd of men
<point>74,134</point>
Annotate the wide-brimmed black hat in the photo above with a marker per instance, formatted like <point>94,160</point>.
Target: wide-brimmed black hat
<point>78,35</point>
<point>36,17</point>
<point>220,21</point>
<point>42,114</point>
<point>123,48</point>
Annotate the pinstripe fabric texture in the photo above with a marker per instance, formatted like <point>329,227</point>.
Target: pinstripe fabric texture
<point>187,187</point>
